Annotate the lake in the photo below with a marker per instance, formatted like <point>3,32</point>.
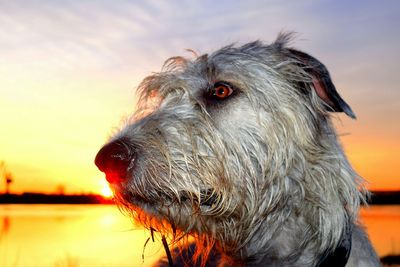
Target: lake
<point>99,235</point>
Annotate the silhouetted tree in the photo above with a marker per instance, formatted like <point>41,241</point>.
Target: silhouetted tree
<point>9,179</point>
<point>6,175</point>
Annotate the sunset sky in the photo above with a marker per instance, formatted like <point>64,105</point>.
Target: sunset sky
<point>68,72</point>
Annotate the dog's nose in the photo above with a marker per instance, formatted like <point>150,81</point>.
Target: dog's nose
<point>113,159</point>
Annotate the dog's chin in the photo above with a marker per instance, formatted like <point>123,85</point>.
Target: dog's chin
<point>158,216</point>
<point>161,202</point>
<point>154,209</point>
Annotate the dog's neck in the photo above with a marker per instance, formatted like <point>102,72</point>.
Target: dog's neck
<point>289,249</point>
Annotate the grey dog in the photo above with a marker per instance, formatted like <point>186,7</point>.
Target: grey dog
<point>236,149</point>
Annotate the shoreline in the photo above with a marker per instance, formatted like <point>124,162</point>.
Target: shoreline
<point>376,198</point>
<point>40,198</point>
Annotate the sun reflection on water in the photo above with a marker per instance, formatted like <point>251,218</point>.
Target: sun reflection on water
<point>99,235</point>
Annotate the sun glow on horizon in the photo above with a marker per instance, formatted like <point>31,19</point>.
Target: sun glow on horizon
<point>105,189</point>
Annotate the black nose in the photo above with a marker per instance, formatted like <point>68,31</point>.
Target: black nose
<point>113,159</point>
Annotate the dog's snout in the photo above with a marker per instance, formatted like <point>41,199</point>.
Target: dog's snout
<point>113,159</point>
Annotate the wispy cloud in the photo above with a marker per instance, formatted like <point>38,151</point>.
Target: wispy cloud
<point>67,67</point>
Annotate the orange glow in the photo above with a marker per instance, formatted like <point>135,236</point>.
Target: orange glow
<point>375,159</point>
<point>62,98</point>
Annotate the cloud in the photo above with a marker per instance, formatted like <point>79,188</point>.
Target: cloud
<point>76,62</point>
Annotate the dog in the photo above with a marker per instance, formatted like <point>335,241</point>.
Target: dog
<point>236,150</point>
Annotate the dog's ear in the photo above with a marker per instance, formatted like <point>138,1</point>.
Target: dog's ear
<point>322,82</point>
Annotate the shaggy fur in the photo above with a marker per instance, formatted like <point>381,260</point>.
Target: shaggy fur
<point>257,178</point>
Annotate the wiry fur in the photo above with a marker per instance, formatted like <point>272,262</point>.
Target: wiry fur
<point>258,178</point>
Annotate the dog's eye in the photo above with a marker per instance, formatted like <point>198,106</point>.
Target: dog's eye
<point>221,91</point>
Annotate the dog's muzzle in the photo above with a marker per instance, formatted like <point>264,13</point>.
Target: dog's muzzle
<point>114,160</point>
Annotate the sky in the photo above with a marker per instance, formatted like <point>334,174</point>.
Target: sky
<point>69,69</point>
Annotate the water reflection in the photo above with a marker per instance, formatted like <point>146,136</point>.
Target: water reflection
<point>72,235</point>
<point>5,227</point>
<point>382,224</point>
<point>98,235</point>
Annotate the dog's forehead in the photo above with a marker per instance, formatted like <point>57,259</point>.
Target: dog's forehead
<point>231,62</point>
<point>240,66</point>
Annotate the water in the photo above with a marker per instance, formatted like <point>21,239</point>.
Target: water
<point>71,235</point>
<point>98,235</point>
